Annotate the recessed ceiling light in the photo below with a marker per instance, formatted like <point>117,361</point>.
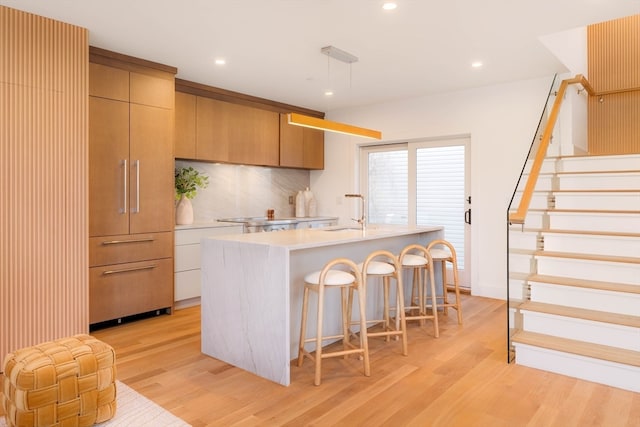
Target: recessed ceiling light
<point>476,64</point>
<point>221,61</point>
<point>328,92</point>
<point>389,5</point>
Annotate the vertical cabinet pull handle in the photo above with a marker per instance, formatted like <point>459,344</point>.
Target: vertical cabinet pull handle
<point>137,209</point>
<point>124,187</point>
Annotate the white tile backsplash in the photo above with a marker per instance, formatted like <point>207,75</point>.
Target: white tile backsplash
<point>236,190</point>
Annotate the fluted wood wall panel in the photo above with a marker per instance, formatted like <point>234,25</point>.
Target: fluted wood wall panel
<point>614,123</point>
<point>44,179</point>
<point>614,54</point>
<point>614,71</point>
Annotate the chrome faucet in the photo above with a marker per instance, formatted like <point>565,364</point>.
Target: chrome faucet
<point>363,218</point>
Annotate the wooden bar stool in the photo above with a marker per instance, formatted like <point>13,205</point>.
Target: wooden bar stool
<point>417,258</point>
<point>384,265</point>
<point>329,277</point>
<point>442,251</point>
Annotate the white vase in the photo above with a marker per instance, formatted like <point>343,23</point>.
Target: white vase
<point>184,211</point>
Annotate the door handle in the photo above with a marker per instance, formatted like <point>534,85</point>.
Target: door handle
<point>128,270</point>
<point>124,187</point>
<point>137,208</point>
<point>467,216</point>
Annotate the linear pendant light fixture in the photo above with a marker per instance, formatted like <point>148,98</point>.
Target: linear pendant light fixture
<point>328,125</point>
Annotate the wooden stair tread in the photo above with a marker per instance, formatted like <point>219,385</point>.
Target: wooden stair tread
<point>599,190</point>
<point>590,257</point>
<point>585,232</point>
<point>590,284</point>
<point>602,172</point>
<point>581,313</point>
<point>587,211</point>
<point>596,351</point>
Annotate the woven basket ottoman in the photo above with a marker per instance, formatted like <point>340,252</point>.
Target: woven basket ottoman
<point>67,382</point>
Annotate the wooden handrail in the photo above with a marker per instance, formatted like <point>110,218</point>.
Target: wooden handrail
<point>519,215</point>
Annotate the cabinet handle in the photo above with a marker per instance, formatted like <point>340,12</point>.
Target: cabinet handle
<point>127,270</point>
<point>124,187</point>
<point>137,208</point>
<point>117,242</point>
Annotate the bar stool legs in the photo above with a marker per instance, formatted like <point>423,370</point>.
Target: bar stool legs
<point>318,281</point>
<point>444,255</point>
<point>384,265</point>
<point>417,258</point>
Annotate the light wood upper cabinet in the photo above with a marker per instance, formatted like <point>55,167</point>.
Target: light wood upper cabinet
<point>108,82</point>
<point>155,90</point>
<point>185,128</point>
<point>212,130</point>
<point>253,136</point>
<point>300,147</point>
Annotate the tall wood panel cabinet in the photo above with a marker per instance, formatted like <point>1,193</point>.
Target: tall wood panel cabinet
<point>131,195</point>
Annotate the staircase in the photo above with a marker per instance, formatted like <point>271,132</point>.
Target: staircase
<point>574,271</point>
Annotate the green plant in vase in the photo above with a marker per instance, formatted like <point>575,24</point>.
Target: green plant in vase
<point>187,183</point>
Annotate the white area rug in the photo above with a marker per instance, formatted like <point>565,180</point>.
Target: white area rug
<point>135,410</point>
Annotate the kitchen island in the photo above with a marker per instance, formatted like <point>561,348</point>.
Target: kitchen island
<point>252,288</point>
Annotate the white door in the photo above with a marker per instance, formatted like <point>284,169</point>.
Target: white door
<point>422,183</point>
<point>442,195</point>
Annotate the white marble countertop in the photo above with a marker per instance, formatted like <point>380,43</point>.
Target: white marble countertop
<point>318,237</point>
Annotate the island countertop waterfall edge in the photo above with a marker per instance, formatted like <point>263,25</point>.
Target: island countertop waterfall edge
<point>252,289</point>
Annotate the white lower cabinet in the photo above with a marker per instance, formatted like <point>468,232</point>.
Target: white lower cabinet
<point>187,261</point>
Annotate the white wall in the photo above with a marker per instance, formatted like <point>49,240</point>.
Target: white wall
<point>501,121</point>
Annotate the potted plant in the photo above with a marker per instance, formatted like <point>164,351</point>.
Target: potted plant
<point>187,182</point>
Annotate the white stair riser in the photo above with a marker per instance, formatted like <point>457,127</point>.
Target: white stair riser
<point>539,200</point>
<point>599,163</point>
<point>622,223</point>
<point>612,374</point>
<point>586,298</point>
<point>523,240</point>
<point>592,244</point>
<point>535,220</point>
<point>520,263</point>
<point>544,183</point>
<point>582,330</point>
<point>616,272</point>
<point>628,181</point>
<point>517,290</point>
<point>598,201</point>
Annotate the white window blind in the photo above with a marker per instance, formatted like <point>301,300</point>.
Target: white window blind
<point>387,187</point>
<point>440,192</point>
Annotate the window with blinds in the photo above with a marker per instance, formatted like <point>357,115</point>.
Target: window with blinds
<point>387,187</point>
<point>421,181</point>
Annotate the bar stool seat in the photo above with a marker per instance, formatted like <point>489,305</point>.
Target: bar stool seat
<point>443,252</point>
<point>330,277</point>
<point>418,259</point>
<point>386,270</point>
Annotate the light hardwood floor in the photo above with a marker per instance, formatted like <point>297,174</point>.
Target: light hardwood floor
<point>459,379</point>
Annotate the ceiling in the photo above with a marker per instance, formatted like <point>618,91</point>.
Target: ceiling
<point>272,47</point>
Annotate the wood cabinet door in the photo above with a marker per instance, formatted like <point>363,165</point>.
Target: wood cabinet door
<point>108,82</point>
<point>185,133</point>
<point>254,136</point>
<point>291,147</point>
<point>300,147</point>
<point>151,165</point>
<point>108,167</point>
<point>313,148</point>
<point>121,290</point>
<point>212,130</point>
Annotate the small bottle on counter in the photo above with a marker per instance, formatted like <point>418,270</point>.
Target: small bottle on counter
<point>308,196</point>
<point>300,205</point>
<point>312,211</point>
